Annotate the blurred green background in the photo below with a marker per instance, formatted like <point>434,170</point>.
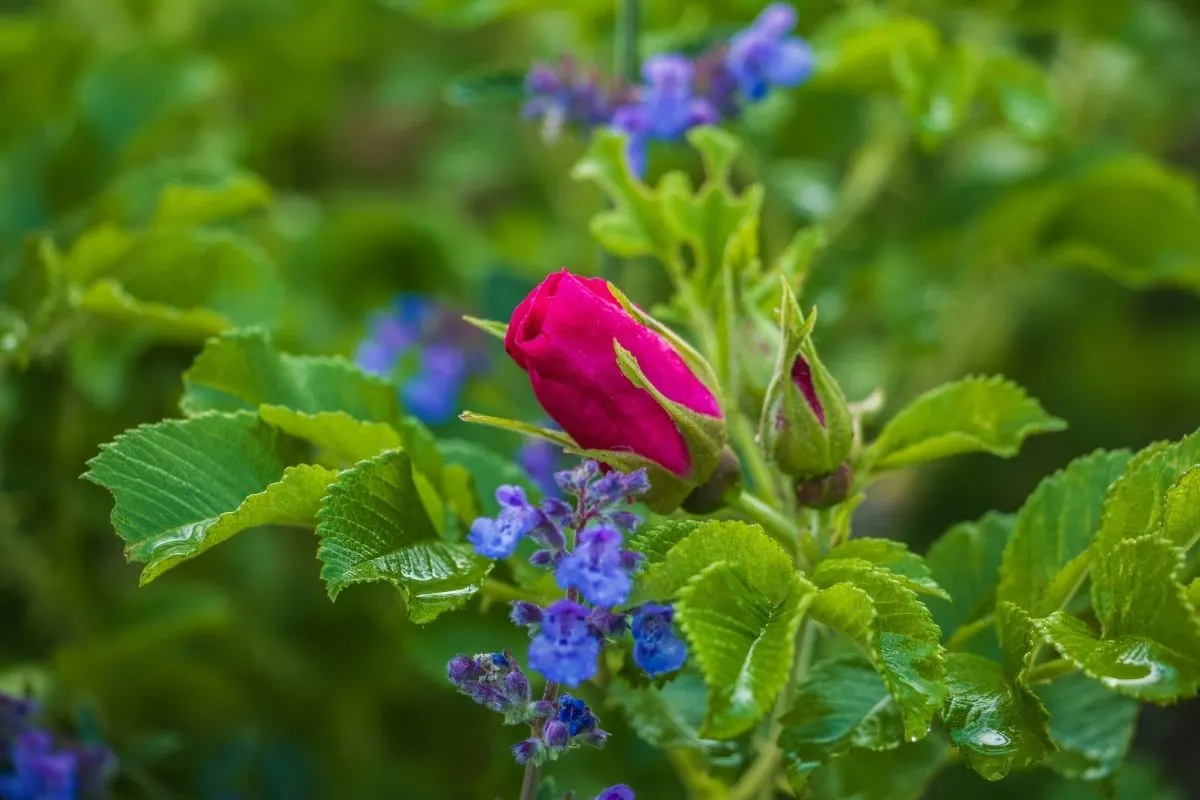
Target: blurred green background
<point>1008,187</point>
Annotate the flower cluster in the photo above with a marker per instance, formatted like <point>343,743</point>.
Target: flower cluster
<point>441,347</point>
<point>676,93</point>
<point>34,766</point>
<point>582,542</point>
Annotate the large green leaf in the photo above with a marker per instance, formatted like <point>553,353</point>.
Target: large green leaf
<point>109,300</point>
<point>336,432</point>
<point>899,774</point>
<point>183,486</point>
<point>654,542</point>
<point>185,205</point>
<point>842,704</point>
<point>991,714</point>
<point>974,414</point>
<point>744,547</point>
<point>243,370</point>
<point>1138,502</point>
<point>373,526</point>
<point>889,623</point>
<point>1091,726</point>
<point>1149,647</point>
<point>743,642</point>
<point>965,562</point>
<point>895,557</point>
<point>488,470</point>
<point>1044,560</point>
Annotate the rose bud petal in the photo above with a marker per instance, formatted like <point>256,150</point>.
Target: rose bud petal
<point>625,389</point>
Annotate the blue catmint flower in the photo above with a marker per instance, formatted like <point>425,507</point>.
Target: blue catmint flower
<point>665,109</point>
<point>493,680</point>
<point>618,792</point>
<point>564,94</point>
<point>565,648</point>
<point>39,770</point>
<point>575,714</point>
<point>763,56</point>
<point>15,714</point>
<point>432,394</point>
<point>497,537</point>
<point>595,568</point>
<point>524,613</point>
<point>656,648</point>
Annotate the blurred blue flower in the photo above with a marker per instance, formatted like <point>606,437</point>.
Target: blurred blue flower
<point>40,772</point>
<point>564,94</point>
<point>565,649</point>
<point>540,460</point>
<point>665,109</point>
<point>618,792</point>
<point>444,362</point>
<point>763,57</point>
<point>656,648</point>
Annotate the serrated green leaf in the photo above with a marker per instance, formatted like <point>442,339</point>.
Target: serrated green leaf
<point>346,438</point>
<point>895,630</point>
<point>965,562</point>
<point>1138,502</point>
<point>1000,726</point>
<point>109,300</point>
<point>1042,563</point>
<point>200,205</point>
<point>183,486</point>
<point>635,227</point>
<point>1090,726</point>
<point>974,414</point>
<point>742,641</point>
<point>1181,515</point>
<point>842,704</point>
<point>373,526</point>
<point>243,370</point>
<point>667,716</point>
<point>655,542</point>
<point>908,567</point>
<point>1149,647</point>
<point>1193,593</point>
<point>744,547</point>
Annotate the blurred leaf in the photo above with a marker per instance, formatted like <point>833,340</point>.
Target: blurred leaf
<point>667,716</point>
<point>109,300</point>
<point>857,52</point>
<point>183,486</point>
<point>909,568</point>
<point>505,88</point>
<point>243,370</point>
<point>1044,560</point>
<point>900,774</point>
<point>201,205</point>
<point>973,414</point>
<point>1022,91</point>
<point>743,642</point>
<point>842,704</point>
<point>965,562</point>
<point>888,622</point>
<point>1149,647</point>
<point>373,526</point>
<point>1091,726</point>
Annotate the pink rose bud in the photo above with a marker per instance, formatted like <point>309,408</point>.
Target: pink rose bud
<point>628,391</point>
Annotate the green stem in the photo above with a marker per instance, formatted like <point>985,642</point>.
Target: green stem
<point>1044,673</point>
<point>753,458</point>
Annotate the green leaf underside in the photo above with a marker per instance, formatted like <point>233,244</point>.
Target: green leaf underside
<point>899,774</point>
<point>1090,726</point>
<point>974,414</point>
<point>1158,476</point>
<point>666,716</point>
<point>965,562</point>
<point>842,704</point>
<point>895,630</point>
<point>373,526</point>
<point>182,486</point>
<point>1150,643</point>
<point>335,432</point>
<point>243,370</point>
<point>488,470</point>
<point>908,567</point>
<point>1044,559</point>
<point>997,722</point>
<point>109,300</point>
<point>743,546</point>
<point>742,642</point>
<point>655,542</point>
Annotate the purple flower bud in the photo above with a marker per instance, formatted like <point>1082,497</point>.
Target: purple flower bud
<point>606,623</point>
<point>461,668</point>
<point>575,713</point>
<point>656,648</point>
<point>516,687</point>
<point>574,482</point>
<point>540,709</point>
<point>558,509</point>
<point>556,734</point>
<point>630,560</point>
<point>527,750</point>
<point>542,558</point>
<point>487,696</point>
<point>596,738</point>
<point>625,520</point>
<point>525,613</point>
<point>618,792</point>
<point>15,713</point>
<point>565,649</point>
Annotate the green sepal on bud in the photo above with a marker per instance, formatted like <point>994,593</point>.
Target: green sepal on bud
<point>805,426</point>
